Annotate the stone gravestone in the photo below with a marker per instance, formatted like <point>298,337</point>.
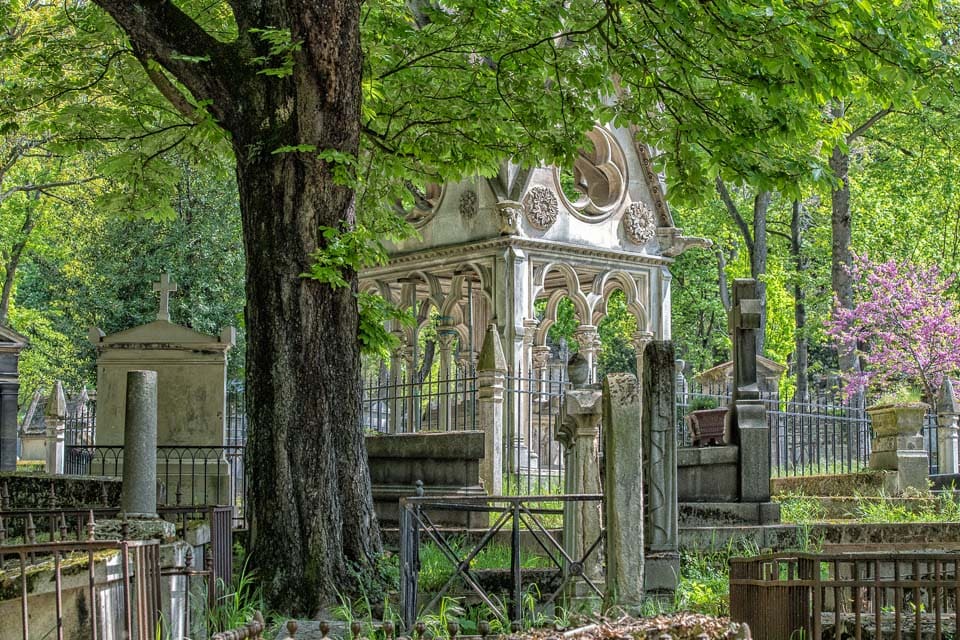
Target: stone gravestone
<point>747,418</point>
<point>11,344</point>
<point>661,528</point>
<point>191,372</point>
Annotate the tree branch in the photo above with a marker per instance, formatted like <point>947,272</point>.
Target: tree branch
<point>27,188</point>
<point>159,30</point>
<point>872,120</point>
<point>735,214</point>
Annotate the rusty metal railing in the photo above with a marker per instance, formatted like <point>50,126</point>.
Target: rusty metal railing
<point>913,594</point>
<point>135,590</point>
<point>506,513</point>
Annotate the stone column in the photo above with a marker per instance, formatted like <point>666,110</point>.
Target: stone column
<point>579,433</point>
<point>491,378</point>
<point>55,417</point>
<point>662,567</point>
<point>397,388</point>
<point>897,446</point>
<point>408,401</point>
<point>948,452</point>
<point>588,339</point>
<point>139,497</point>
<point>8,425</point>
<point>623,492</point>
<point>445,338</point>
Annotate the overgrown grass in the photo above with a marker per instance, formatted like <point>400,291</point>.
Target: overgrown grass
<point>799,508</point>
<point>942,507</point>
<point>831,468</point>
<point>705,578</point>
<point>436,568</point>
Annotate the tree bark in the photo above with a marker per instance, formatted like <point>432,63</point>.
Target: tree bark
<point>800,352</point>
<point>841,256</point>
<point>312,526</point>
<point>12,263</point>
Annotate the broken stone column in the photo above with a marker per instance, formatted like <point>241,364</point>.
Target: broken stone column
<point>55,421</point>
<point>139,497</point>
<point>579,433</point>
<point>948,434</point>
<point>658,377</point>
<point>491,379</point>
<point>623,491</point>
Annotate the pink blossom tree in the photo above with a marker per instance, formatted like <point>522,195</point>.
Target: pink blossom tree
<point>905,325</point>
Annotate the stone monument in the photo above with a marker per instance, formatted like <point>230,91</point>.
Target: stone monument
<point>11,344</point>
<point>191,369</point>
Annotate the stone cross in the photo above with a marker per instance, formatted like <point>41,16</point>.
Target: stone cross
<point>165,287</point>
<point>745,315</point>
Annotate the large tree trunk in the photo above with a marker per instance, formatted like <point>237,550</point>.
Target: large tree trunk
<point>312,525</point>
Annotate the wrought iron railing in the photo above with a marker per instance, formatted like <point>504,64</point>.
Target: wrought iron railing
<point>848,595</point>
<point>533,457</point>
<point>538,516</point>
<point>433,404</point>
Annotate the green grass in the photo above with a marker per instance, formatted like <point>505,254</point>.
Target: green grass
<point>799,508</point>
<point>436,568</point>
<point>943,507</point>
<point>704,585</point>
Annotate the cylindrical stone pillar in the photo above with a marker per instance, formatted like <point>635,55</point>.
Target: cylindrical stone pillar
<point>139,496</point>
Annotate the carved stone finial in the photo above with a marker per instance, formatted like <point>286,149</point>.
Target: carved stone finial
<point>166,286</point>
<point>947,400</point>
<point>57,403</point>
<point>491,353</point>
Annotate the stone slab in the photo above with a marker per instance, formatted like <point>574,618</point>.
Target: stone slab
<point>697,514</point>
<point>707,474</point>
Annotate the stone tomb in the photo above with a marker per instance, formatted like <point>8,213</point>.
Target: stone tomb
<point>191,400</point>
<point>11,344</point>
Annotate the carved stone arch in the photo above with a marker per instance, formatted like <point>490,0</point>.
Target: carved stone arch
<point>600,176</point>
<point>484,274</point>
<point>570,278</point>
<point>434,286</point>
<point>580,309</point>
<point>604,286</point>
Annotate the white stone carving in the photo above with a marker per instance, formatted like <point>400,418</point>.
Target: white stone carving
<point>638,223</point>
<point>510,212</point>
<point>469,205</point>
<point>541,207</point>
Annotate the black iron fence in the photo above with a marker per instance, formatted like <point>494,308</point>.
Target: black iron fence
<point>533,457</point>
<point>187,475</point>
<point>535,516</point>
<point>431,404</point>
<point>824,436</point>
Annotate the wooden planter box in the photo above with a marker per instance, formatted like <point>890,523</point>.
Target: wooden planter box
<point>706,426</point>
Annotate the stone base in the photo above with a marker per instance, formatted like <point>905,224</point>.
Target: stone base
<point>33,446</point>
<point>728,514</point>
<point>137,529</point>
<point>707,474</point>
<point>386,504</point>
<point>910,478</point>
<point>661,574</point>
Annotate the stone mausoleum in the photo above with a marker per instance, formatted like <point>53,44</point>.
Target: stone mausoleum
<point>506,251</point>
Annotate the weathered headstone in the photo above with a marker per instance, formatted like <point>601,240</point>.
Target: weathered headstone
<point>191,369</point>
<point>11,344</point>
<point>623,491</point>
<point>897,449</point>
<point>747,417</point>
<point>661,530</point>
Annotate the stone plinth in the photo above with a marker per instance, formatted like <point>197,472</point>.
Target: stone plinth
<point>897,445</point>
<point>447,463</point>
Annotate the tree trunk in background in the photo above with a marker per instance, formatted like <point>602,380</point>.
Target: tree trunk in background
<point>11,265</point>
<point>313,532</point>
<point>841,255</point>
<point>798,226</point>
<point>758,261</point>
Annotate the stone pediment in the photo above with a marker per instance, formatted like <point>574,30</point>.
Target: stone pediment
<point>11,340</point>
<point>161,334</point>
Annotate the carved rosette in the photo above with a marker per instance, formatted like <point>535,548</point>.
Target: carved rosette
<point>638,223</point>
<point>540,206</point>
<point>469,206</point>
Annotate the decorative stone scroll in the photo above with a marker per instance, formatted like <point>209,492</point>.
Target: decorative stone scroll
<point>638,223</point>
<point>540,206</point>
<point>469,205</point>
